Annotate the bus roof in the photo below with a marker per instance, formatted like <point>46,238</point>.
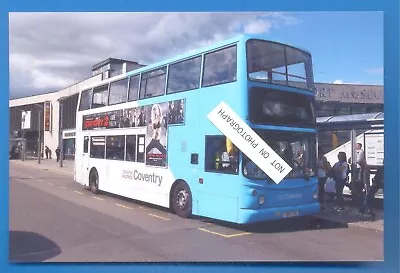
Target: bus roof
<point>267,39</point>
<point>191,54</point>
<point>212,47</point>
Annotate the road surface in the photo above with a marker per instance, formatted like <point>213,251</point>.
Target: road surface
<point>54,219</point>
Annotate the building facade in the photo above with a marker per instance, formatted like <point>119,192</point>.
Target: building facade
<point>345,99</point>
<point>38,118</point>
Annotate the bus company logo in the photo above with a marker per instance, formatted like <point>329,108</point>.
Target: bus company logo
<point>127,174</point>
<point>289,196</point>
<point>136,175</point>
<point>97,122</point>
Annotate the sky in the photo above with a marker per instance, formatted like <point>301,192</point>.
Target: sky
<point>50,51</point>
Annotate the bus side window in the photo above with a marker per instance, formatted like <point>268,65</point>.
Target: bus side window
<point>100,96</point>
<point>220,67</point>
<point>98,147</point>
<point>221,155</point>
<point>115,147</point>
<point>133,88</point>
<point>153,83</point>
<point>86,100</point>
<point>130,154</point>
<point>140,153</point>
<point>85,144</point>
<point>184,75</point>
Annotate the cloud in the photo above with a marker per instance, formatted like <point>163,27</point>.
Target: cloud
<point>338,82</point>
<point>341,82</point>
<point>377,70</point>
<point>257,26</point>
<point>60,48</point>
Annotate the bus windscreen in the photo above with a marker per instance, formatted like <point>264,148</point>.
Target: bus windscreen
<point>279,64</point>
<point>297,149</point>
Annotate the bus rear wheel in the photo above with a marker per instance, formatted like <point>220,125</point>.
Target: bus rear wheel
<point>182,200</point>
<point>94,181</point>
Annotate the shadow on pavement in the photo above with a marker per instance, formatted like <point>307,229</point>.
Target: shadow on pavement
<point>326,219</point>
<point>31,247</point>
<point>351,213</point>
<point>282,225</point>
<point>304,223</point>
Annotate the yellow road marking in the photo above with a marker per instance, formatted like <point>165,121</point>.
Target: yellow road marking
<point>98,198</point>
<point>238,234</point>
<point>224,235</point>
<point>122,206</point>
<point>79,192</point>
<point>159,217</point>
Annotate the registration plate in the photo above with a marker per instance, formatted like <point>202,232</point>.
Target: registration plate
<point>291,213</point>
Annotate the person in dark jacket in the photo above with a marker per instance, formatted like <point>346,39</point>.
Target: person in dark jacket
<point>58,153</point>
<point>377,183</point>
<point>340,174</point>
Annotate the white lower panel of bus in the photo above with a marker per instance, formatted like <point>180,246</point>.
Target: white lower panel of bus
<point>135,181</point>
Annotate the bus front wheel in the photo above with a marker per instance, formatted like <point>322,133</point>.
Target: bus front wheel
<point>94,181</point>
<point>182,200</point>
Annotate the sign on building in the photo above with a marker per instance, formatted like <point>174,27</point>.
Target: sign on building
<point>47,116</point>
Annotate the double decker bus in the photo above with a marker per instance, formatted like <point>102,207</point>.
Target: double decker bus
<point>145,135</point>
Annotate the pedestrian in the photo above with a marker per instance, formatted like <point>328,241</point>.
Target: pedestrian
<point>323,168</point>
<point>340,173</point>
<point>46,151</point>
<point>357,185</point>
<point>58,153</point>
<point>371,190</point>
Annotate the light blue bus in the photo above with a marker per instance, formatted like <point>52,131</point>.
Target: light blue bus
<point>145,135</point>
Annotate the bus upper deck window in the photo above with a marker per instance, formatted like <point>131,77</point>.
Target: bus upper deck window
<point>86,99</point>
<point>220,67</point>
<point>118,91</point>
<point>100,96</point>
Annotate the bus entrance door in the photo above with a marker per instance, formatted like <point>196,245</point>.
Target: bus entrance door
<point>85,162</point>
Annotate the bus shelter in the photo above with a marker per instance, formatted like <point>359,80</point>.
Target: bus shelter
<point>352,124</point>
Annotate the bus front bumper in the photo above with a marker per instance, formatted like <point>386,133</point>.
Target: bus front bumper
<point>259,215</point>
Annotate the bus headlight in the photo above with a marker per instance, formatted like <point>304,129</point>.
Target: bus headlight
<point>261,199</point>
<point>315,194</point>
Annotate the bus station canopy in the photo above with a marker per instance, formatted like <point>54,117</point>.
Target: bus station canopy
<point>350,122</point>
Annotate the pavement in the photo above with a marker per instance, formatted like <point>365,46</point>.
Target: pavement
<point>50,165</point>
<point>350,217</point>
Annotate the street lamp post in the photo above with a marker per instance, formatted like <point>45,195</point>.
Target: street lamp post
<point>23,119</point>
<point>39,139</point>
<point>60,138</point>
<point>23,135</point>
<point>39,150</point>
<point>61,134</point>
